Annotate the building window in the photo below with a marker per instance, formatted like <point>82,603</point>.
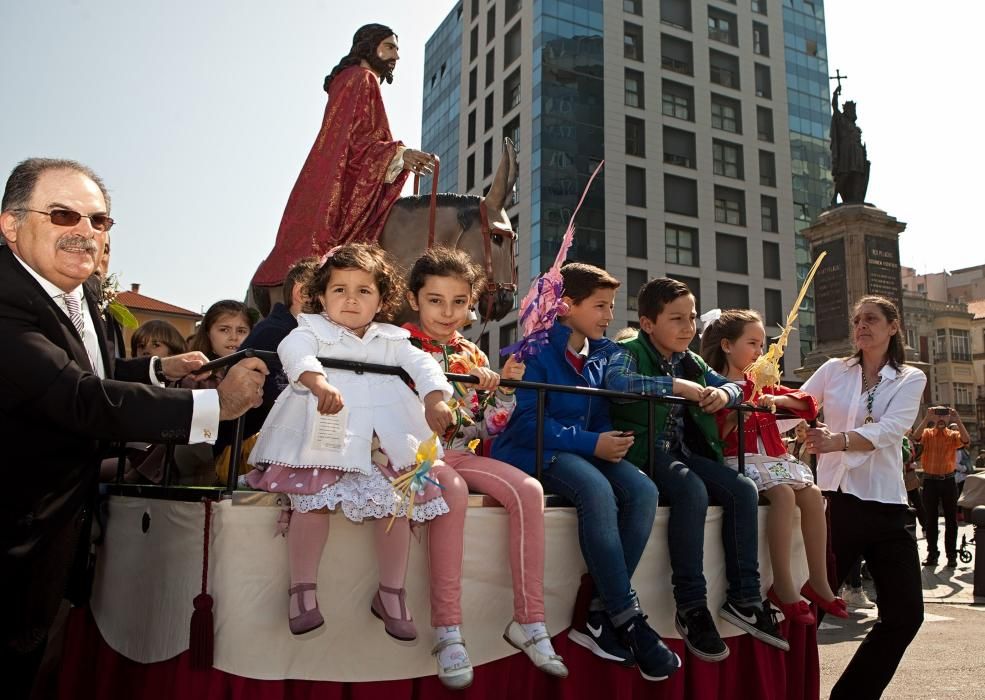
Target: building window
<point>940,347</point>
<point>475,10</point>
<point>676,13</point>
<point>727,158</point>
<point>760,39</point>
<point>471,128</point>
<point>487,158</point>
<point>635,186</point>
<point>491,24</point>
<point>679,147</point>
<point>759,7</point>
<point>726,114</point>
<point>632,41</point>
<point>767,169</point>
<point>681,245</point>
<point>764,124</point>
<point>721,27</point>
<point>484,343</point>
<point>733,296</point>
<point>635,137</point>
<point>771,260</point>
<point>911,338</point>
<point>768,207</point>
<point>470,172</point>
<point>512,7</point>
<point>730,206</point>
<point>960,346</point>
<point>473,84</point>
<point>694,284</point>
<point>511,91</point>
<point>963,403</point>
<point>473,43</point>
<point>678,100</point>
<point>507,336</point>
<point>680,195</point>
<point>774,309</point>
<point>635,279</point>
<point>490,67</point>
<point>512,132</point>
<point>676,54</point>
<point>634,88</point>
<point>488,111</point>
<point>731,254</point>
<point>635,237</point>
<point>633,7</point>
<point>512,45</point>
<point>724,69</point>
<point>763,88</point>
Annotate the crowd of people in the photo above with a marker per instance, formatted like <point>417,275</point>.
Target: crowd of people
<point>333,440</point>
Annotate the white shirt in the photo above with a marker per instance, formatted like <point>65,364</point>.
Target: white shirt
<point>205,406</point>
<point>875,475</point>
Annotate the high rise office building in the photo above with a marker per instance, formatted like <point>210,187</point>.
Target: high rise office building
<point>711,116</point>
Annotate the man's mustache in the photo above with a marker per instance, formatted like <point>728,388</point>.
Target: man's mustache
<point>87,245</point>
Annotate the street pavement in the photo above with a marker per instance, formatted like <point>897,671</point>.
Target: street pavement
<point>946,661</point>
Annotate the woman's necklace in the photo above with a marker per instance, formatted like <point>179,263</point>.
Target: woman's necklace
<point>870,395</point>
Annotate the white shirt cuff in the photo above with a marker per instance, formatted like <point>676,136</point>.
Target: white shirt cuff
<point>205,416</point>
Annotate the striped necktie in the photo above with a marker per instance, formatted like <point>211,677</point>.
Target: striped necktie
<point>75,313</point>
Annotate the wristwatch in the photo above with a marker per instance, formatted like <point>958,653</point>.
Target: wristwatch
<point>845,448</point>
<point>155,364</point>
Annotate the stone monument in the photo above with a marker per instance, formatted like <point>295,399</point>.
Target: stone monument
<point>862,242</point>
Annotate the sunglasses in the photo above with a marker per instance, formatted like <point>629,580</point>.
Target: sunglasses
<point>67,217</point>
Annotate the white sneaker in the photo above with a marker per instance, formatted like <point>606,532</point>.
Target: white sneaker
<point>856,598</point>
<point>551,664</point>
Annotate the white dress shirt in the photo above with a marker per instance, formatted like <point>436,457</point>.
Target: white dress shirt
<point>205,407</point>
<point>875,475</point>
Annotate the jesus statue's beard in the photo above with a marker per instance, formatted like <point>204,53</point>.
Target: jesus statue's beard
<point>381,67</point>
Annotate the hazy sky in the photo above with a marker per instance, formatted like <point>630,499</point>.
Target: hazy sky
<point>198,115</point>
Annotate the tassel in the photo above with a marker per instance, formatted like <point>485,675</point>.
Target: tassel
<point>201,642</point>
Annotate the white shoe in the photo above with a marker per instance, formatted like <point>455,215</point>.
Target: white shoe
<point>551,664</point>
<point>458,675</point>
<point>856,598</point>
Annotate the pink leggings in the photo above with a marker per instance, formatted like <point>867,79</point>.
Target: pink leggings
<point>523,498</point>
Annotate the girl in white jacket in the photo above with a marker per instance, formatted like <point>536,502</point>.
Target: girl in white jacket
<point>335,438</point>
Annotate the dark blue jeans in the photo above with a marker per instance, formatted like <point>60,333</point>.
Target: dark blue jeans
<point>687,485</point>
<point>616,504</point>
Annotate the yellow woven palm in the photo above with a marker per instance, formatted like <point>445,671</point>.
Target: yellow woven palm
<point>765,371</point>
<point>407,485</point>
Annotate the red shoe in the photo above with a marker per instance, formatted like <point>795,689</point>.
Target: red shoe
<point>836,606</point>
<point>799,612</point>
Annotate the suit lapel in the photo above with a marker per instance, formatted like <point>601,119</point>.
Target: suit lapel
<point>89,290</point>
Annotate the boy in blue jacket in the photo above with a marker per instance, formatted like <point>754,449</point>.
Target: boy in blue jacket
<point>584,462</point>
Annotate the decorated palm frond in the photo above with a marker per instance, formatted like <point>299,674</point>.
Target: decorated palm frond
<point>765,371</point>
<point>542,304</point>
<point>414,481</point>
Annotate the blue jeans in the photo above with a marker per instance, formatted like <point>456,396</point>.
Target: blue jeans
<point>616,504</point>
<point>687,484</point>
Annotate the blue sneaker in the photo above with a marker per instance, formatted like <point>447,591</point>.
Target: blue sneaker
<point>654,659</point>
<point>599,636</point>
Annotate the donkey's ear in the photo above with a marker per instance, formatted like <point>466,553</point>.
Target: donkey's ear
<point>500,187</point>
<point>510,149</point>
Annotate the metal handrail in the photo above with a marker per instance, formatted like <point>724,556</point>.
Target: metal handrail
<point>271,358</point>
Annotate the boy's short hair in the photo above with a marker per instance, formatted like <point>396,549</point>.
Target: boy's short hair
<point>657,293</point>
<point>581,280</point>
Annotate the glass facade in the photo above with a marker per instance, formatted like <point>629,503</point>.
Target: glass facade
<point>442,90</point>
<point>809,98</point>
<point>568,139</point>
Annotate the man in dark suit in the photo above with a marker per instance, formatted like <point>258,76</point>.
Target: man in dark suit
<point>63,395</point>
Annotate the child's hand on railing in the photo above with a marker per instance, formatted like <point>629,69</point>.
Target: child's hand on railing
<point>767,401</point>
<point>686,389</point>
<point>488,380</point>
<point>513,369</point>
<point>712,399</point>
<point>613,445</point>
<point>437,413</point>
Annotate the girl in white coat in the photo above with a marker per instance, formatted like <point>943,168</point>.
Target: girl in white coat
<point>335,438</point>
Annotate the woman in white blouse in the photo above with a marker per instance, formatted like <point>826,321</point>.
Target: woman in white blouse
<point>869,401</point>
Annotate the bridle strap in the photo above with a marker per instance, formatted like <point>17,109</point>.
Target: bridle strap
<point>433,212</point>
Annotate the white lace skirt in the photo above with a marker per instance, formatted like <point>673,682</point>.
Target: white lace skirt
<point>364,496</point>
<point>768,471</point>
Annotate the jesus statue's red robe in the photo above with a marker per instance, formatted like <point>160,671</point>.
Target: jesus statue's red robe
<point>342,194</point>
